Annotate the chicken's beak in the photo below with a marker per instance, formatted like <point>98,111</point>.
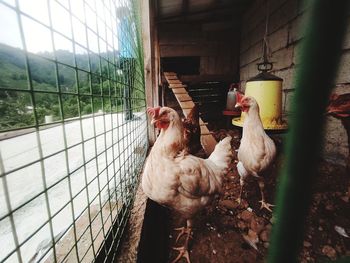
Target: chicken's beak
<point>238,105</point>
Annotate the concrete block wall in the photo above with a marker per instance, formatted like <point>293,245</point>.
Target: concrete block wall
<point>284,36</point>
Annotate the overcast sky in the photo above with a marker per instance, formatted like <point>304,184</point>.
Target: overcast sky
<point>38,37</point>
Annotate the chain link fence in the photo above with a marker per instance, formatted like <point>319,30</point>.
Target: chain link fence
<point>73,131</point>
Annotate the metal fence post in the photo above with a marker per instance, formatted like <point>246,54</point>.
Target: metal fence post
<point>320,52</point>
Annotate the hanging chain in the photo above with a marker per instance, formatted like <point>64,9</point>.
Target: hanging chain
<point>265,65</point>
<point>265,41</point>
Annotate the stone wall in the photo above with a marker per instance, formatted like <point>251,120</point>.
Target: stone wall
<point>284,36</point>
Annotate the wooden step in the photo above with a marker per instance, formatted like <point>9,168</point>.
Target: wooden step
<point>171,77</point>
<point>169,74</point>
<point>174,81</point>
<point>186,103</point>
<point>183,97</point>
<point>177,85</point>
<point>180,91</point>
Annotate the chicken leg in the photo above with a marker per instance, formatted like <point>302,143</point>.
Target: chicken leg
<point>241,182</point>
<point>183,250</point>
<point>263,203</point>
<point>242,176</point>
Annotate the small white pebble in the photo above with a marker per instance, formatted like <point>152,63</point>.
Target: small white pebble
<point>250,209</point>
<point>214,252</point>
<point>170,236</point>
<point>207,224</point>
<point>219,235</point>
<point>231,212</point>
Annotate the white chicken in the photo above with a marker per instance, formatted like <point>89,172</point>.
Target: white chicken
<point>257,150</point>
<point>178,180</point>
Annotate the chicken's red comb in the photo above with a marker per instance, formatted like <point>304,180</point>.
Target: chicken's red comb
<point>239,96</point>
<point>154,112</point>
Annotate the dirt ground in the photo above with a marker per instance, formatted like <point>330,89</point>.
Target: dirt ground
<point>229,232</point>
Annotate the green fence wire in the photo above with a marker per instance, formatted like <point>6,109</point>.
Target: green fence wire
<point>73,131</point>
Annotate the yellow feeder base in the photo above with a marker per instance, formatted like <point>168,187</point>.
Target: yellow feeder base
<point>275,125</point>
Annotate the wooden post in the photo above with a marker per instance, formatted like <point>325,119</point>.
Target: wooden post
<point>150,65</point>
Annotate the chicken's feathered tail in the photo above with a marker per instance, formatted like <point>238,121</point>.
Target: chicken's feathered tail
<point>222,154</point>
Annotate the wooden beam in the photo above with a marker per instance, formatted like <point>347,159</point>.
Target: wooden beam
<point>183,97</point>
<point>201,122</point>
<point>186,112</point>
<point>169,74</point>
<point>174,81</point>
<point>186,104</point>
<point>148,39</point>
<point>207,139</point>
<point>180,91</point>
<point>175,86</point>
<point>204,130</point>
<point>171,77</point>
<point>210,12</point>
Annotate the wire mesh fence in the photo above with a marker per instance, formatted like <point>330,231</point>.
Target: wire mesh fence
<point>73,133</point>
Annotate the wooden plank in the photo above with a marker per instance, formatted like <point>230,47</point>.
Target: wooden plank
<point>186,112</point>
<point>180,91</point>
<point>186,104</point>
<point>201,122</point>
<point>183,97</point>
<point>174,86</point>
<point>204,130</point>
<point>150,59</point>
<point>171,77</point>
<point>169,74</point>
<point>174,81</point>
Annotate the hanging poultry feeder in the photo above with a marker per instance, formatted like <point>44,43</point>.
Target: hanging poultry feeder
<point>267,90</point>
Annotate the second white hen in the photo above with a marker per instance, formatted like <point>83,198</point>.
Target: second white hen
<point>257,150</point>
<point>179,180</point>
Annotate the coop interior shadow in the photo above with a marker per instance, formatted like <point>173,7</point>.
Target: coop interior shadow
<point>154,241</point>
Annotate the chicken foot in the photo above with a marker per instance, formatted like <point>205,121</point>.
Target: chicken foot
<point>183,250</point>
<point>263,203</point>
<point>183,231</point>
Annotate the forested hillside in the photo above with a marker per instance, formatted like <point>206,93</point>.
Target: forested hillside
<point>47,78</point>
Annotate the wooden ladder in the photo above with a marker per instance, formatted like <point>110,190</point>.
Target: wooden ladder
<point>186,103</point>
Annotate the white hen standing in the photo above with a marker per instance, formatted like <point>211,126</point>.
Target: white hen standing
<point>257,149</point>
<point>179,180</point>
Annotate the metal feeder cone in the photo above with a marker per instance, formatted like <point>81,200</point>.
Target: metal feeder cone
<point>267,90</point>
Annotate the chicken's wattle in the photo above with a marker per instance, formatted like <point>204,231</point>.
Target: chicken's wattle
<point>162,124</point>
